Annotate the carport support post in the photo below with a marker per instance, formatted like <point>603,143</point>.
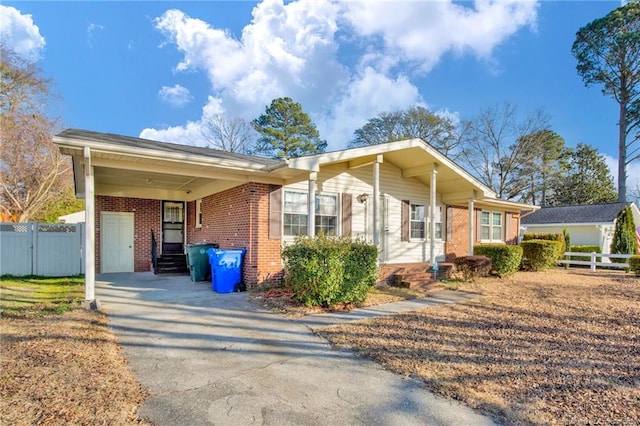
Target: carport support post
<point>432,215</point>
<point>90,230</point>
<point>311,205</point>
<point>376,201</point>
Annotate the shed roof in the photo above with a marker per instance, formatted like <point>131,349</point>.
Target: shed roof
<point>593,213</point>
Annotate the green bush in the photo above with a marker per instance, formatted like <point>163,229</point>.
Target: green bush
<point>548,237</point>
<point>473,266</point>
<point>505,259</point>
<point>634,265</point>
<point>624,235</point>
<point>325,271</point>
<point>585,249</point>
<point>538,255</point>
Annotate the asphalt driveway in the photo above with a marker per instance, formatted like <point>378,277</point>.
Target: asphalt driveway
<point>209,358</point>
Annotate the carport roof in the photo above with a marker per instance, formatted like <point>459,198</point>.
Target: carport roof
<point>128,142</point>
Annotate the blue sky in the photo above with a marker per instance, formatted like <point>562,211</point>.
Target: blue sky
<point>158,69</point>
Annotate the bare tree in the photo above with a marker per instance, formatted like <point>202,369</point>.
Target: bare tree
<point>229,134</point>
<point>32,170</point>
<point>497,149</point>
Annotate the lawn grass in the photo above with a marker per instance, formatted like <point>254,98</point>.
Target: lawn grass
<point>555,347</point>
<point>60,364</point>
<point>37,296</point>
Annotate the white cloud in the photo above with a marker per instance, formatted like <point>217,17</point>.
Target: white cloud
<point>190,133</point>
<point>91,30</point>
<point>367,95</point>
<point>294,50</point>
<point>177,95</point>
<point>633,172</point>
<point>422,31</point>
<point>19,33</point>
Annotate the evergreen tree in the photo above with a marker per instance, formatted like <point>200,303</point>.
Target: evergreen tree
<point>608,53</point>
<point>286,131</point>
<point>584,178</point>
<point>624,236</point>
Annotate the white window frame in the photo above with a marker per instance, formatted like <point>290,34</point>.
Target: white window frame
<point>491,226</point>
<point>438,220</point>
<point>318,216</point>
<point>412,221</point>
<point>302,212</point>
<point>198,213</point>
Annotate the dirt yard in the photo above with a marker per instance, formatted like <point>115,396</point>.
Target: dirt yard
<point>552,347</point>
<point>64,369</point>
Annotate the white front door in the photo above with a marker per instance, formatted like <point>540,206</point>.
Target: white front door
<point>116,236</point>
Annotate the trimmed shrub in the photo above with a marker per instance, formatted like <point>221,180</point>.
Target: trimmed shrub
<point>634,265</point>
<point>585,249</point>
<point>538,255</point>
<point>505,259</point>
<point>548,237</point>
<point>473,266</point>
<point>325,271</point>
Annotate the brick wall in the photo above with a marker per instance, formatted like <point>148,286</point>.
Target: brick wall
<point>146,215</point>
<point>239,218</point>
<point>458,245</point>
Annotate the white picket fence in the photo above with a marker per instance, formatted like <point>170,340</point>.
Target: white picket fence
<point>45,249</point>
<point>593,260</point>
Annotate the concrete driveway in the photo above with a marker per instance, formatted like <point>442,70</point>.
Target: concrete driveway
<point>209,358</point>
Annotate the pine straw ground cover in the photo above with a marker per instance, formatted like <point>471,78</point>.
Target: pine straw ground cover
<point>60,368</point>
<point>557,347</point>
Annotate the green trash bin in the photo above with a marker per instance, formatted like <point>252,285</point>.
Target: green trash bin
<point>198,260</point>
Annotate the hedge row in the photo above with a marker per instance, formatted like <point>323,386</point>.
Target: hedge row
<point>538,255</point>
<point>634,265</point>
<point>325,271</point>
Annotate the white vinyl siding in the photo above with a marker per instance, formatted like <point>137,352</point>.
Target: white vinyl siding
<point>393,189</point>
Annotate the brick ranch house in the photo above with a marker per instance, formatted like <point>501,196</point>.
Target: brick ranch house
<point>406,197</point>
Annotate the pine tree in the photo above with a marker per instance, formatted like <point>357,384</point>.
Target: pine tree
<point>286,131</point>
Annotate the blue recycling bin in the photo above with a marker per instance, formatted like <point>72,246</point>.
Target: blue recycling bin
<point>226,269</point>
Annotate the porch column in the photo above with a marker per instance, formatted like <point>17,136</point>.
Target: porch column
<point>311,205</point>
<point>432,215</point>
<point>376,200</point>
<point>472,228</point>
<point>89,230</point>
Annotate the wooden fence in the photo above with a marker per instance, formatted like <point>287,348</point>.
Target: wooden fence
<point>614,260</point>
<point>46,249</point>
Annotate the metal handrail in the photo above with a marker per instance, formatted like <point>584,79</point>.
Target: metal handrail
<point>154,252</point>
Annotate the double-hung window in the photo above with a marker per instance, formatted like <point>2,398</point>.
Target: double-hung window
<point>326,214</point>
<point>295,213</point>
<point>296,217</point>
<point>418,214</point>
<point>491,226</point>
